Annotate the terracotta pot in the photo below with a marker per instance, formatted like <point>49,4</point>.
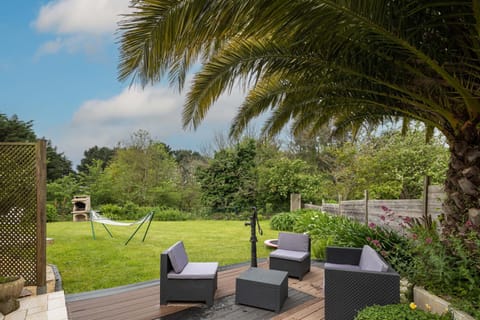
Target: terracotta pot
<point>9,292</point>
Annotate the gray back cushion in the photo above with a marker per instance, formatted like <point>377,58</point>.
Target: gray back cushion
<point>293,241</point>
<point>178,256</point>
<point>371,261</point>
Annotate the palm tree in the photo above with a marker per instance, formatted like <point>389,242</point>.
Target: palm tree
<point>307,62</point>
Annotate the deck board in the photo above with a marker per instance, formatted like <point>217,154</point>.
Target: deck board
<point>143,303</point>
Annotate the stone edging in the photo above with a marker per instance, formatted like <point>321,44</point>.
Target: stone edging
<point>422,297</point>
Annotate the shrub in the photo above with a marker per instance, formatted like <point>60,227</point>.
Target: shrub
<point>398,311</point>
<point>326,230</point>
<point>131,211</point>
<point>52,214</point>
<point>445,267</point>
<point>283,221</point>
<point>112,211</point>
<point>170,215</point>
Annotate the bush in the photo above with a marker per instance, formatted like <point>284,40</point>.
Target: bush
<point>170,215</point>
<point>398,311</point>
<point>329,230</point>
<point>112,211</point>
<point>52,214</point>
<point>445,267</point>
<point>283,221</point>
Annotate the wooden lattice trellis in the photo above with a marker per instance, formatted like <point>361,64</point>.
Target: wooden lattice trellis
<point>22,211</point>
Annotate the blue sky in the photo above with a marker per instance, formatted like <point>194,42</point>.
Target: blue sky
<point>58,65</point>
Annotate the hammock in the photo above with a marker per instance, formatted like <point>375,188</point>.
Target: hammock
<point>96,217</point>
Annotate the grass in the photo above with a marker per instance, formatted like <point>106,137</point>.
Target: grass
<point>86,264</point>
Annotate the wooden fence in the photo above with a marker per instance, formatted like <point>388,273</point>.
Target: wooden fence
<point>390,212</point>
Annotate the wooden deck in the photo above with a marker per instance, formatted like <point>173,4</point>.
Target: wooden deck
<point>142,302</point>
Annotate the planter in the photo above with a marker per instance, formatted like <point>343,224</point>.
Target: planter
<point>422,298</point>
<point>9,292</point>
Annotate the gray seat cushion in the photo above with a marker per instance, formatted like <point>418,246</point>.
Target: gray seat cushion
<point>196,270</point>
<point>178,256</point>
<point>293,241</point>
<point>337,266</point>
<point>289,254</point>
<point>371,261</point>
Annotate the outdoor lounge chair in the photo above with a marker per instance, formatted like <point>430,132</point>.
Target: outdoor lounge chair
<point>356,278</point>
<point>292,255</point>
<point>181,280</point>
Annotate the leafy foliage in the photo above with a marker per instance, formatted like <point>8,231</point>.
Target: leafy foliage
<point>52,214</point>
<point>391,166</point>
<point>93,154</point>
<point>60,193</point>
<point>398,311</point>
<point>283,221</point>
<point>143,172</point>
<point>228,182</point>
<point>15,130</point>
<point>279,177</point>
<point>311,63</point>
<point>345,232</point>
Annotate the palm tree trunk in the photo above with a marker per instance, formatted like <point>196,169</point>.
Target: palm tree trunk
<point>462,186</point>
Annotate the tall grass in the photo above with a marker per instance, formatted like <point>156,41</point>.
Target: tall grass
<point>86,264</point>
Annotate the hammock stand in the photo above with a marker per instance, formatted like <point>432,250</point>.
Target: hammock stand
<point>96,217</point>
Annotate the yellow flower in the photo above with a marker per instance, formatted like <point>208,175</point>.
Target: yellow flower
<point>429,307</point>
<point>413,306</point>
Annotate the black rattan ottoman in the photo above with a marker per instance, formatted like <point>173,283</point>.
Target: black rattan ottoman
<point>262,288</point>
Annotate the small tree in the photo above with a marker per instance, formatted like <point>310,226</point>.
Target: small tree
<point>229,181</point>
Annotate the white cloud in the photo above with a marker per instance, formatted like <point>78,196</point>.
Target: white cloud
<point>79,25</point>
<point>94,17</point>
<point>155,109</point>
<point>50,47</point>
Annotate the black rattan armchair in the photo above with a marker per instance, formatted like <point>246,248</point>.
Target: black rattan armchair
<point>356,278</point>
<point>292,255</point>
<point>181,280</point>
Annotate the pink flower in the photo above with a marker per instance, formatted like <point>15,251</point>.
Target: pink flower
<point>428,240</point>
<point>369,239</point>
<point>468,224</point>
<point>384,253</point>
<point>414,236</point>
<point>371,225</point>
<point>407,219</point>
<point>382,218</point>
<point>376,243</point>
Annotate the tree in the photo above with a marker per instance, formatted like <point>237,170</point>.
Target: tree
<point>389,166</point>
<point>313,61</point>
<point>58,166</point>
<point>104,154</point>
<point>279,177</point>
<point>15,130</point>
<point>143,172</point>
<point>228,183</point>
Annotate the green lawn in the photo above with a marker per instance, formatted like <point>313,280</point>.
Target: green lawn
<point>86,264</point>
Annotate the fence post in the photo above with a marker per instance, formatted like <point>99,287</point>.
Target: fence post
<point>340,205</point>
<point>366,207</point>
<point>295,202</point>
<point>426,183</point>
<point>41,186</point>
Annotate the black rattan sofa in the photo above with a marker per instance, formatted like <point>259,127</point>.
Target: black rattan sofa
<point>356,278</point>
<point>181,280</point>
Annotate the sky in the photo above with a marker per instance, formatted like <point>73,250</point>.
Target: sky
<point>58,68</point>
